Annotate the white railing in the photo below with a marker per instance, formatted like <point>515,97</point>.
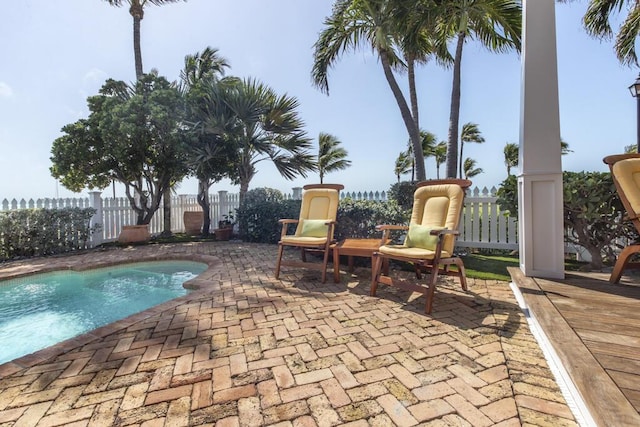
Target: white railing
<point>482,225</point>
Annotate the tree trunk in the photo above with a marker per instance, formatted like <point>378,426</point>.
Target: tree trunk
<point>137,12</point>
<point>460,159</point>
<point>454,115</point>
<point>203,201</point>
<point>412,129</point>
<point>166,210</point>
<point>413,95</point>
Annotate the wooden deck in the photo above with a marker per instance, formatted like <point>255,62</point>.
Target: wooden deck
<point>594,327</point>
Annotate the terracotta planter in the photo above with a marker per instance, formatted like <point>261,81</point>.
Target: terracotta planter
<point>134,234</point>
<point>193,221</point>
<point>223,233</point>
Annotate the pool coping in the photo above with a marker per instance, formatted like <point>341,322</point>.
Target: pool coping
<point>196,285</point>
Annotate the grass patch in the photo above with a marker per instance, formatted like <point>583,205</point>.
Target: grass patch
<point>494,267</point>
<point>489,267</point>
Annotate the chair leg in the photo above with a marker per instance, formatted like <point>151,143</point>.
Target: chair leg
<point>461,273</point>
<point>376,266</point>
<point>430,294</point>
<point>622,261</point>
<point>303,255</point>
<point>325,261</point>
<point>280,249</point>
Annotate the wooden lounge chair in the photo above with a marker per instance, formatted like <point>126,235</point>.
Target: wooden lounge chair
<point>625,171</point>
<point>315,227</point>
<point>430,238</point>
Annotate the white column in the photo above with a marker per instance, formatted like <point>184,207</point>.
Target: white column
<point>540,182</point>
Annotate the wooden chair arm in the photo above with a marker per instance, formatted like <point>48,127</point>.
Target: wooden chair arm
<point>285,225</point>
<point>443,232</point>
<point>384,227</point>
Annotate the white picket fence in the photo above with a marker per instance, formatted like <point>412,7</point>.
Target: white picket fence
<point>482,225</point>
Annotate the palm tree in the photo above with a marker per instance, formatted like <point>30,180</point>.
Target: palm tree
<point>511,150</point>
<point>440,155</point>
<point>331,157</point>
<point>428,144</point>
<point>208,151</point>
<point>404,164</point>
<point>417,39</point>
<point>353,24</point>
<point>265,126</point>
<point>597,21</point>
<point>470,169</point>
<point>470,133</point>
<point>497,24</point>
<point>136,9</point>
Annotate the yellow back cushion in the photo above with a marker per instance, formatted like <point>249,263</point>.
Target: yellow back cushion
<point>318,203</point>
<point>627,172</point>
<point>438,206</point>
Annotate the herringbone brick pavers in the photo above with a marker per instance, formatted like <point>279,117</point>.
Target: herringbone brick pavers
<point>246,349</point>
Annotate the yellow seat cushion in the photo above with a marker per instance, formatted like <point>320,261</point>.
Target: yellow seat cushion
<point>298,240</point>
<point>627,172</point>
<point>407,252</point>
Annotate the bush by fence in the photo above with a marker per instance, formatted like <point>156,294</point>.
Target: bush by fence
<point>36,232</point>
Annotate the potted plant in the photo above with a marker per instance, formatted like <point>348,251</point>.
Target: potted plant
<point>225,227</point>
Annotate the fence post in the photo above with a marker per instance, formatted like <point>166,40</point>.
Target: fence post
<point>297,193</point>
<point>223,202</point>
<point>95,201</point>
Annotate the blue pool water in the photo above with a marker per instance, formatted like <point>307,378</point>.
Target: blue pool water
<point>41,310</point>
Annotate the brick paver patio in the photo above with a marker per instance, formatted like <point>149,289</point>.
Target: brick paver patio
<point>248,350</point>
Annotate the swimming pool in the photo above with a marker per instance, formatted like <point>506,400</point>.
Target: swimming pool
<point>41,310</point>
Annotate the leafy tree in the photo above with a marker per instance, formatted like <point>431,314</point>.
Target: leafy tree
<point>470,170</point>
<point>331,157</point>
<point>592,209</point>
<point>630,149</point>
<point>440,155</point>
<point>357,23</point>
<point>136,9</point>
<point>404,164</point>
<point>597,21</point>
<point>497,24</point>
<point>210,155</point>
<point>511,150</point>
<point>470,133</point>
<point>133,135</point>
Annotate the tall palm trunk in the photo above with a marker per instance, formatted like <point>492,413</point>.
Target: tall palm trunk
<point>460,159</point>
<point>454,115</point>
<point>413,95</point>
<point>409,122</point>
<point>137,12</point>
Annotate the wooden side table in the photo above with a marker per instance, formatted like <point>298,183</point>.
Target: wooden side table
<point>353,247</point>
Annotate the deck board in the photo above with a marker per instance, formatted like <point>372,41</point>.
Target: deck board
<point>594,327</point>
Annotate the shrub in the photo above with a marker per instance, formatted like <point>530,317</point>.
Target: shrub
<point>592,212</point>
<point>37,232</point>
<point>402,194</point>
<point>358,218</point>
<point>263,207</point>
<point>259,213</point>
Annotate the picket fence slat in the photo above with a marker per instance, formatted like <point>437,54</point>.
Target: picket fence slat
<point>483,224</point>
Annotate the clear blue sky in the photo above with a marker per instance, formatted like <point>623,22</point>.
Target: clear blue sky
<point>55,54</point>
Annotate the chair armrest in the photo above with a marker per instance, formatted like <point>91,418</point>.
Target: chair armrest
<point>386,231</point>
<point>288,221</point>
<point>285,225</point>
<point>443,232</point>
<point>384,227</point>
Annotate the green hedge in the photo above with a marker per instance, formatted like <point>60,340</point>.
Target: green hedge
<point>262,208</point>
<point>37,232</point>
